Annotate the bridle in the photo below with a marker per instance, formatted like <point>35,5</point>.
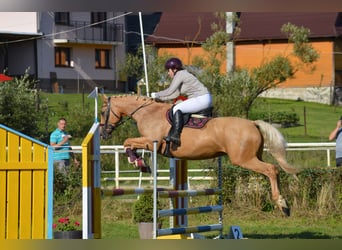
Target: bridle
<point>110,127</point>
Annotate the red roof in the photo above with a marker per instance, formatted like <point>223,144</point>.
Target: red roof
<point>259,26</point>
<point>180,28</point>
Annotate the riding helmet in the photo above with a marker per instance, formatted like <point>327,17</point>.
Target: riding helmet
<point>174,63</point>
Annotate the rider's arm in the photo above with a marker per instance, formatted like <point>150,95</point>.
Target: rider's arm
<point>173,90</point>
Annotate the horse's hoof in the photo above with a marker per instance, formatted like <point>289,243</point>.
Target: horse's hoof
<point>146,169</point>
<point>131,160</point>
<point>140,164</point>
<point>283,206</point>
<point>286,211</point>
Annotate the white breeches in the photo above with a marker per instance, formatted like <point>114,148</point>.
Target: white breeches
<point>194,105</point>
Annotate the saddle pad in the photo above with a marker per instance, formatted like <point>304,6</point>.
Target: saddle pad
<point>191,122</point>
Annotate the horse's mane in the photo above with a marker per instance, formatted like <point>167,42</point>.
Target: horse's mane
<point>144,98</point>
<point>141,98</point>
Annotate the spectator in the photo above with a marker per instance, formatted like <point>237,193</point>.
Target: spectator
<point>60,140</point>
<point>336,134</point>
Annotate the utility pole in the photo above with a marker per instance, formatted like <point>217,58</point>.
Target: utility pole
<point>230,45</point>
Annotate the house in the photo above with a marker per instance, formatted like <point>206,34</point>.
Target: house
<point>260,38</point>
<point>67,52</point>
<point>182,34</point>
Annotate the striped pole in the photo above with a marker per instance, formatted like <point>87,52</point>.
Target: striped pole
<point>162,192</point>
<point>122,191</point>
<point>187,193</point>
<point>187,230</point>
<point>195,210</point>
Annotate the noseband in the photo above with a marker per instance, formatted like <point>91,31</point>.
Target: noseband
<point>106,125</point>
<point>110,127</point>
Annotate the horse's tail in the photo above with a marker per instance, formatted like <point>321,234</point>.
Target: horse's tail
<point>276,145</point>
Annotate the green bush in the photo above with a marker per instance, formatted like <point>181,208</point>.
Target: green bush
<point>19,106</point>
<point>68,186</point>
<point>143,209</point>
<point>286,119</point>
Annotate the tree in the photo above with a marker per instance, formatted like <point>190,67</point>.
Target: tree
<point>134,67</point>
<point>235,92</point>
<point>19,105</point>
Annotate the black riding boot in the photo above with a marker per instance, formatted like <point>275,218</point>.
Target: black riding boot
<point>176,129</point>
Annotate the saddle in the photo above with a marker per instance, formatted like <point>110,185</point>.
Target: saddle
<point>193,120</point>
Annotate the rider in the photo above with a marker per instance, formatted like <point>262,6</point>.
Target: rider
<point>183,83</point>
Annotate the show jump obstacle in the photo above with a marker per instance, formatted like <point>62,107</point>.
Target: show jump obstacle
<point>180,209</point>
<point>91,170</point>
<point>26,184</point>
<point>179,195</point>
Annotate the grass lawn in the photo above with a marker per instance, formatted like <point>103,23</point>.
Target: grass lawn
<point>316,120</point>
<point>117,223</point>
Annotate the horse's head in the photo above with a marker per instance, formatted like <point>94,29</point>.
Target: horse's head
<point>109,118</point>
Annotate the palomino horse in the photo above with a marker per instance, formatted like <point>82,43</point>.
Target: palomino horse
<point>241,139</point>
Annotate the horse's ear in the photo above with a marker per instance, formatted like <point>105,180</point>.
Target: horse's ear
<point>104,97</point>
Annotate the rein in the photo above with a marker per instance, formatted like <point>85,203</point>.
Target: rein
<point>121,120</point>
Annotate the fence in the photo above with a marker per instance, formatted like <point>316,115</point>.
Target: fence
<point>194,174</point>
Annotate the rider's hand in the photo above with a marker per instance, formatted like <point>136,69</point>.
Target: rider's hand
<point>154,95</point>
<point>339,123</point>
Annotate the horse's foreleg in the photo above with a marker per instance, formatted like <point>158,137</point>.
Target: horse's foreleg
<point>130,146</point>
<point>271,172</point>
<point>138,143</point>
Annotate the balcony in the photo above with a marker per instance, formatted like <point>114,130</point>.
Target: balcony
<point>83,32</point>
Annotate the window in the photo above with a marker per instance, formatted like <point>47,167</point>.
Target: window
<point>62,18</point>
<point>98,17</point>
<point>62,57</point>
<point>102,58</point>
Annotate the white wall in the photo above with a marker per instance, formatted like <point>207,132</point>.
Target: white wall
<point>319,94</point>
<point>18,22</point>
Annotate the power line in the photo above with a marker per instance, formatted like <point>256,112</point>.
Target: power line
<point>65,31</point>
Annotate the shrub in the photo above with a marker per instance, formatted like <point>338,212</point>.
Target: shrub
<point>286,119</point>
<point>66,187</point>
<point>143,208</point>
<point>19,106</point>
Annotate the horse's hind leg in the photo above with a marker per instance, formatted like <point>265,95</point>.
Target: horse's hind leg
<point>271,172</point>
